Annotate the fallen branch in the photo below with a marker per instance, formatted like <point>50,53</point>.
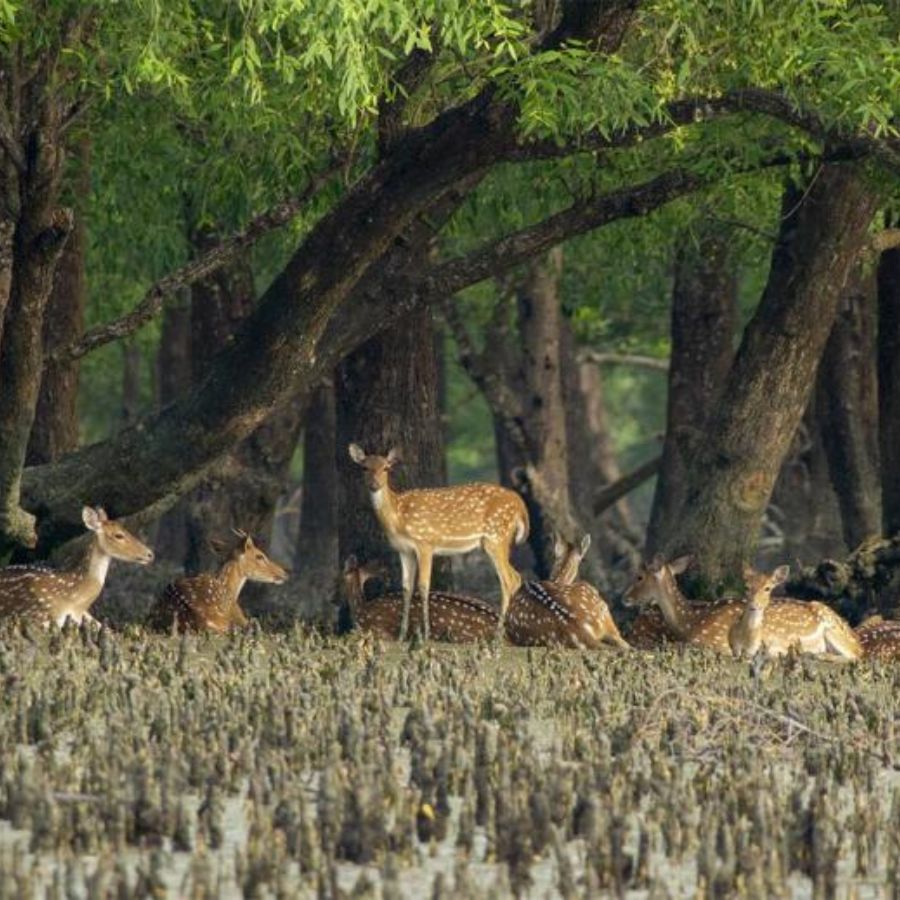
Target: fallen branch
<point>612,493</point>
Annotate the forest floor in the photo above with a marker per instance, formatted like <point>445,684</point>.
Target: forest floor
<point>287,763</point>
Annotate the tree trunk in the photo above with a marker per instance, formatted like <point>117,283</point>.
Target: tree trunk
<point>316,567</point>
<point>704,313</point>
<point>131,381</point>
<point>745,442</point>
<point>889,387</point>
<point>55,427</point>
<point>173,368</point>
<point>386,396</point>
<point>846,391</point>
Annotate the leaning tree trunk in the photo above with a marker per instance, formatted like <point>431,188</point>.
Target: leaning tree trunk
<point>746,440</point>
<point>889,387</point>
<point>847,403</point>
<point>386,396</point>
<point>316,566</point>
<point>704,314</point>
<point>55,427</point>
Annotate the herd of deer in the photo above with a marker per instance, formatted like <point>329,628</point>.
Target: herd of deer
<point>422,524</point>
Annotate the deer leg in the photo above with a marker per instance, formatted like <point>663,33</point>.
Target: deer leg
<point>423,562</point>
<point>408,565</point>
<point>509,577</point>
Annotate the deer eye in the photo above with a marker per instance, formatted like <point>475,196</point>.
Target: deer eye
<point>119,536</point>
<point>260,557</point>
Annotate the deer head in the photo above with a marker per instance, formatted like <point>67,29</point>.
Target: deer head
<point>655,579</point>
<point>375,468</point>
<point>113,538</point>
<point>762,587</point>
<point>568,559</point>
<point>253,564</point>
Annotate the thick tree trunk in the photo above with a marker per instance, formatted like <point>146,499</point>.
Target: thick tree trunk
<point>889,387</point>
<point>846,392</point>
<point>704,314</point>
<point>316,567</point>
<point>386,395</point>
<point>745,442</point>
<point>55,427</point>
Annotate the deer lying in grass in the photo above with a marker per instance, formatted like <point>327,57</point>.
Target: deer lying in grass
<point>454,618</point>
<point>879,638</point>
<point>562,611</point>
<point>808,627</point>
<point>209,602</point>
<point>48,595</point>
<point>422,524</point>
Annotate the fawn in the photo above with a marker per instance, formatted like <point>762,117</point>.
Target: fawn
<point>49,595</point>
<point>209,602</point>
<point>454,617</point>
<point>421,524</point>
<point>562,611</point>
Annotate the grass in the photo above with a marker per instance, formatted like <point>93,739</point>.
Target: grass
<point>294,764</point>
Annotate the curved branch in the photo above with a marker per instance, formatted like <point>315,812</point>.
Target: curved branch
<point>623,359</point>
<point>204,265</point>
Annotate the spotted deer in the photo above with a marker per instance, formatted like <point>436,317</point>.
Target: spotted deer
<point>562,611</point>
<point>48,595</point>
<point>809,627</point>
<point>879,638</point>
<point>421,524</point>
<point>209,602</point>
<point>789,624</point>
<point>455,618</point>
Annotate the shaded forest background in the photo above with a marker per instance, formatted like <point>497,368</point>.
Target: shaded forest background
<point>635,260</point>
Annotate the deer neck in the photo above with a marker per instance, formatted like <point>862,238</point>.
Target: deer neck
<point>674,607</point>
<point>93,572</point>
<point>384,502</point>
<point>232,579</point>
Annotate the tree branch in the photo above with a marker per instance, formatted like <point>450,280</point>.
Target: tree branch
<point>622,359</point>
<point>613,493</point>
<point>211,261</point>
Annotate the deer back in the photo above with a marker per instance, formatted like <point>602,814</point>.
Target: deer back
<point>198,603</point>
<point>546,613</point>
<point>41,593</point>
<point>880,639</point>
<point>467,514</point>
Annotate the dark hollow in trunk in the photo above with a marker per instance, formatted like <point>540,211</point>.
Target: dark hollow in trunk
<point>889,387</point>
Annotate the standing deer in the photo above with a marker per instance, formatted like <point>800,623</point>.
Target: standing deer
<point>48,595</point>
<point>562,611</point>
<point>454,618</point>
<point>810,627</point>
<point>422,524</point>
<point>209,602</point>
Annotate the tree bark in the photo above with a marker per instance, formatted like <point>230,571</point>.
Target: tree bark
<point>889,387</point>
<point>55,427</point>
<point>704,314</point>
<point>317,558</point>
<point>386,396</point>
<point>847,404</point>
<point>745,442</point>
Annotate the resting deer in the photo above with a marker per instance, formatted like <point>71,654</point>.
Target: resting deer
<point>789,624</point>
<point>879,638</point>
<point>422,524</point>
<point>454,618</point>
<point>209,602</point>
<point>562,611</point>
<point>809,627</point>
<point>48,595</point>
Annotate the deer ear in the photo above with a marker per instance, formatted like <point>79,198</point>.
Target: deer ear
<point>559,546</point>
<point>781,575</point>
<point>677,566</point>
<point>394,457</point>
<point>218,546</point>
<point>357,454</point>
<point>93,518</point>
<point>248,542</point>
<point>351,564</point>
<point>585,544</point>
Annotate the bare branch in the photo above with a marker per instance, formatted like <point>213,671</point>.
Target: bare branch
<point>613,493</point>
<point>622,359</point>
<point>211,261</point>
